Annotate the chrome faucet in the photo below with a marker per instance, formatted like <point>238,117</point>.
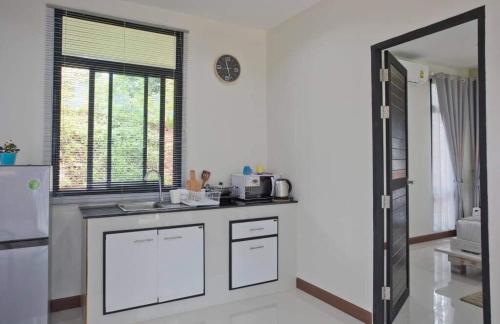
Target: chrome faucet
<point>160,191</point>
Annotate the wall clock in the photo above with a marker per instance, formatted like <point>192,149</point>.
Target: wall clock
<point>227,68</point>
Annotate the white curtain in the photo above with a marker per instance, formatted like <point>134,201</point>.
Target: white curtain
<point>473,120</point>
<point>443,180</point>
<point>453,96</point>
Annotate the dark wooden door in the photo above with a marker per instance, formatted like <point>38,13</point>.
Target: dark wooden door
<point>398,274</point>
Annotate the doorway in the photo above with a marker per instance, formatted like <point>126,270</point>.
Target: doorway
<point>392,174</point>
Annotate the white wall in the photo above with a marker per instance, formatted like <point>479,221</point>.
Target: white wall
<point>493,138</point>
<point>225,124</point>
<point>216,113</point>
<point>319,118</point>
<point>319,91</point>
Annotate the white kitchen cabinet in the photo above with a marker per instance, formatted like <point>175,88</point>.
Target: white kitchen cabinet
<point>130,274</point>
<point>254,259</point>
<point>181,259</point>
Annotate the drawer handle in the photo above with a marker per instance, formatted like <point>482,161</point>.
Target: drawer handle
<point>144,240</point>
<point>256,247</point>
<point>172,237</point>
<point>256,229</point>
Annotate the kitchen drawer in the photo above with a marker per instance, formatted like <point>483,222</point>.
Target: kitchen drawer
<point>254,262</point>
<point>254,228</point>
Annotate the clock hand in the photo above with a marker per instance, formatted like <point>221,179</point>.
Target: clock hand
<point>228,71</point>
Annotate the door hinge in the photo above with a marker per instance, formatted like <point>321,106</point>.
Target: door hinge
<point>385,112</point>
<point>386,201</point>
<point>384,75</point>
<point>386,293</point>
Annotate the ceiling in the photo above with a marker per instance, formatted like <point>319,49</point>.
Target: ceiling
<point>455,48</point>
<point>262,14</point>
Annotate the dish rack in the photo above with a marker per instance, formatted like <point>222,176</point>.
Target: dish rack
<point>201,198</point>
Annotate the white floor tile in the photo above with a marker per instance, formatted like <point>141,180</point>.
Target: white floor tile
<point>70,316</point>
<point>434,298</point>
<point>435,292</point>
<point>293,307</point>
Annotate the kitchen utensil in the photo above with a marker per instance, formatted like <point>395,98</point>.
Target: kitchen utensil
<point>193,184</point>
<point>188,181</point>
<point>227,194</point>
<point>175,196</point>
<point>282,189</point>
<point>205,175</point>
<point>202,198</point>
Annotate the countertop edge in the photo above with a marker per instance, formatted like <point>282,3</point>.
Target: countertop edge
<point>119,213</point>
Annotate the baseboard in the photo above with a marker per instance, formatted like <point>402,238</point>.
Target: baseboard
<point>57,305</point>
<point>357,312</point>
<point>429,237</point>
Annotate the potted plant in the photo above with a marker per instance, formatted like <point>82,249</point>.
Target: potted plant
<point>8,153</point>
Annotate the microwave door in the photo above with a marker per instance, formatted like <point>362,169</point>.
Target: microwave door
<point>261,191</point>
<point>253,192</point>
<point>266,184</point>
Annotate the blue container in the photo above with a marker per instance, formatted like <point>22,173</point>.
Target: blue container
<point>247,170</point>
<point>8,158</point>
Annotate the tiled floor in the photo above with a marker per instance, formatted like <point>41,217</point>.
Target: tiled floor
<point>435,292</point>
<point>71,316</point>
<point>292,307</point>
<point>434,298</point>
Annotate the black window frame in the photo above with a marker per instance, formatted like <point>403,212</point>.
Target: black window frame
<point>94,65</point>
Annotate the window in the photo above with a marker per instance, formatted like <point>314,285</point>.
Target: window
<point>117,105</point>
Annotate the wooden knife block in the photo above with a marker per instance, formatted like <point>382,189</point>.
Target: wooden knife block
<point>193,184</point>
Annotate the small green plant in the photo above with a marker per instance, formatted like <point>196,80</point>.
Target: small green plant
<point>9,147</point>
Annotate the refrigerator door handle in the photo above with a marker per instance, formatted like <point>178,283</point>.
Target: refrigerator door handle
<point>19,244</point>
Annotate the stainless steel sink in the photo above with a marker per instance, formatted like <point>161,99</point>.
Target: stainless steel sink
<point>148,206</point>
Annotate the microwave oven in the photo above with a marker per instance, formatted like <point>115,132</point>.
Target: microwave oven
<point>254,186</point>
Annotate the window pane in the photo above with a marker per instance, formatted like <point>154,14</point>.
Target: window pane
<point>127,129</point>
<point>116,114</point>
<point>101,95</point>
<point>153,123</point>
<point>74,128</point>
<point>94,40</point>
<point>169,132</point>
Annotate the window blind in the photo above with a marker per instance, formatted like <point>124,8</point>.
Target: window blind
<point>117,105</point>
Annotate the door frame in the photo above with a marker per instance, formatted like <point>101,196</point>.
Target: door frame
<point>378,157</point>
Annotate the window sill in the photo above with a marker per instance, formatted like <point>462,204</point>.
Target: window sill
<point>105,198</point>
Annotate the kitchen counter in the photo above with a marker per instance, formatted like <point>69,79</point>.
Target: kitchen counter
<point>113,210</point>
<point>114,240</point>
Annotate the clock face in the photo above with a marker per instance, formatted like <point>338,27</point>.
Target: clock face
<point>227,68</point>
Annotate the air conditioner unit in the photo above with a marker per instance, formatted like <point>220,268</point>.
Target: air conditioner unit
<point>417,73</point>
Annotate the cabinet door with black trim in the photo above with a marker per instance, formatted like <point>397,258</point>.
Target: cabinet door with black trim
<point>254,261</point>
<point>130,270</point>
<point>181,258</point>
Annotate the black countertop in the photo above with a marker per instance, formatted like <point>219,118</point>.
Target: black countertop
<point>89,212</point>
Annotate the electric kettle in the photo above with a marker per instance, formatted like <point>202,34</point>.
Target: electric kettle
<point>282,189</point>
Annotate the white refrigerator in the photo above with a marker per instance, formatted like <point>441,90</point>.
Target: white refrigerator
<point>24,244</point>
